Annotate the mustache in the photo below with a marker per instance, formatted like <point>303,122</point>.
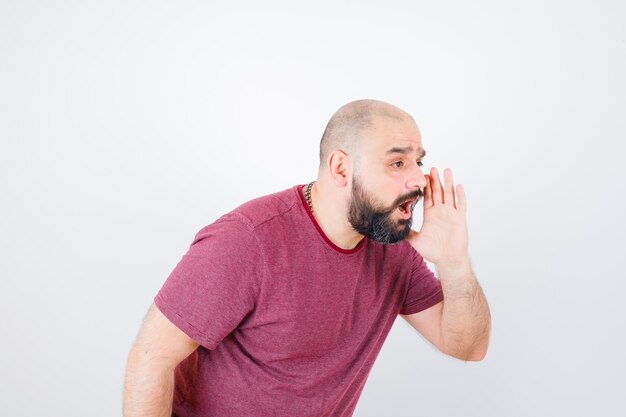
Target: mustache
<point>412,195</point>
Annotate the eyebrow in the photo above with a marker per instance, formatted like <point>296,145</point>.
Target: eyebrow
<point>405,150</point>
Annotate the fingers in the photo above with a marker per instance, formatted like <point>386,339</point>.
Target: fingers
<point>461,199</point>
<point>428,193</point>
<point>436,193</point>
<point>448,187</point>
<point>435,183</point>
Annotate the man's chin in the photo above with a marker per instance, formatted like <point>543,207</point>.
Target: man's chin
<point>390,239</point>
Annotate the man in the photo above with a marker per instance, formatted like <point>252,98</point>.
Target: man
<point>281,306</point>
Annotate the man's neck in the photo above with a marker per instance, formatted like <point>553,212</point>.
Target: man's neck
<point>330,213</point>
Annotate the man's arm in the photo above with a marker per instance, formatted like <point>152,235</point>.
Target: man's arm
<point>466,320</point>
<point>462,329</point>
<point>460,325</point>
<point>149,379</point>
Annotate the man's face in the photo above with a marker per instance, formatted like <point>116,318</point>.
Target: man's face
<point>377,222</point>
<point>389,183</point>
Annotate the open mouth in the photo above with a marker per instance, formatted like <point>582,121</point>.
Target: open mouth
<point>406,206</point>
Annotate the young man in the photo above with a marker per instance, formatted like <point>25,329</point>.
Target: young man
<point>281,306</point>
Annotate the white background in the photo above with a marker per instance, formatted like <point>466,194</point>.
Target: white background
<point>127,126</point>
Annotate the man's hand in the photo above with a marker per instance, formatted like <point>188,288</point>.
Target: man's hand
<point>465,319</point>
<point>443,239</point>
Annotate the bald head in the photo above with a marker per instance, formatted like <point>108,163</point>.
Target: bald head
<point>348,128</point>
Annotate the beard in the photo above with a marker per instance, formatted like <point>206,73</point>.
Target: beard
<point>376,222</point>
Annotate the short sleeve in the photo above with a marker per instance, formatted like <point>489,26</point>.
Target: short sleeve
<point>424,288</point>
<point>215,284</point>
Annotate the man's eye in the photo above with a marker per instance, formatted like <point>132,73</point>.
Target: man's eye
<point>399,164</point>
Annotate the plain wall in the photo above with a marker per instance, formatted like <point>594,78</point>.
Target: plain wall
<point>127,126</point>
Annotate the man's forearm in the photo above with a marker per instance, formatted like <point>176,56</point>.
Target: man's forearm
<point>148,387</point>
<point>466,320</point>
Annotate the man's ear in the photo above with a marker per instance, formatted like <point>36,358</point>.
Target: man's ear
<point>339,165</point>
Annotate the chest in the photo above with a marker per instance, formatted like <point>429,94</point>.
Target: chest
<point>323,308</point>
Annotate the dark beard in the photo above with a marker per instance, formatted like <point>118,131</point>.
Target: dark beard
<point>377,223</point>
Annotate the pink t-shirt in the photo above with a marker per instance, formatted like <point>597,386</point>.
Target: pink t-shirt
<point>289,323</point>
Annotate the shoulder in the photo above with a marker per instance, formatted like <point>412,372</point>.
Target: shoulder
<point>263,209</point>
<point>248,217</point>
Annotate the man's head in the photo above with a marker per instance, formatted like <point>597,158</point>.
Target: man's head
<point>373,151</point>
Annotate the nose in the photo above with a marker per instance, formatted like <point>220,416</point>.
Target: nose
<point>416,179</point>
